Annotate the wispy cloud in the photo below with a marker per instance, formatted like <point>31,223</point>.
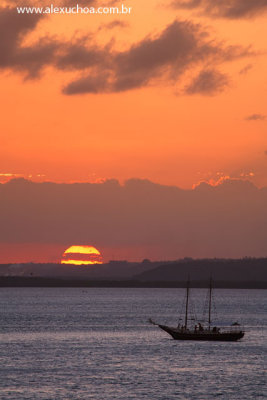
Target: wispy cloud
<point>114,24</point>
<point>245,70</point>
<point>13,28</point>
<point>7,176</point>
<point>255,117</point>
<point>181,47</point>
<point>232,9</point>
<point>220,178</point>
<point>207,82</point>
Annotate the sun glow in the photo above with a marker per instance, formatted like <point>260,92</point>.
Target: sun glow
<point>81,255</point>
<point>80,262</point>
<point>82,250</point>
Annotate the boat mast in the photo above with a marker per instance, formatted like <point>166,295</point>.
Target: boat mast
<point>210,297</point>
<point>186,307</point>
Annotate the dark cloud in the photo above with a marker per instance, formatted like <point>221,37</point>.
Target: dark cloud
<point>265,152</point>
<point>255,117</point>
<point>208,82</point>
<point>46,51</point>
<point>178,48</point>
<point>88,84</point>
<point>231,9</point>
<point>79,57</point>
<point>204,221</point>
<point>13,28</point>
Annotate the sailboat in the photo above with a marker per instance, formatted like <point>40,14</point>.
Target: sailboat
<point>199,332</point>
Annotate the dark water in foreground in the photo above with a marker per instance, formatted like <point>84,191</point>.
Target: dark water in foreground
<point>96,344</point>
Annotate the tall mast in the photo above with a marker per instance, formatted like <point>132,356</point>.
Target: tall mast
<point>210,294</point>
<point>187,297</point>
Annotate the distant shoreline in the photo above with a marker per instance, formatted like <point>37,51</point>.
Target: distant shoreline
<point>13,281</point>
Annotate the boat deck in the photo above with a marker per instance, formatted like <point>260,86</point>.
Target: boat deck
<point>179,334</point>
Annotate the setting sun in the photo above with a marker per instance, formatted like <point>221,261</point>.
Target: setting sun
<point>81,255</point>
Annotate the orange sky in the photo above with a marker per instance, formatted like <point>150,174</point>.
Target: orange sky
<point>153,132</point>
<point>169,129</point>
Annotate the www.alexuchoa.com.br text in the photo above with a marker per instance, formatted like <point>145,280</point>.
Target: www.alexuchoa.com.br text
<point>75,10</point>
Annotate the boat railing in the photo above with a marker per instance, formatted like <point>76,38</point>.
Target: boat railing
<point>212,329</point>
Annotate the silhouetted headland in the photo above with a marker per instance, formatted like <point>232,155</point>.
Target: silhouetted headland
<point>226,273</point>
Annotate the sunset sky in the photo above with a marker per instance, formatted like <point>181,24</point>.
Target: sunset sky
<point>174,92</point>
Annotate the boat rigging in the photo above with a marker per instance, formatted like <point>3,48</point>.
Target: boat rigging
<point>232,333</point>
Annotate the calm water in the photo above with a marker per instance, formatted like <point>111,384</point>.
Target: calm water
<point>97,344</point>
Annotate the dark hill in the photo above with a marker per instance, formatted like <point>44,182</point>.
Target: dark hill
<point>241,270</point>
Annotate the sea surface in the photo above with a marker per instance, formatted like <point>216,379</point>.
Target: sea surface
<point>96,343</point>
